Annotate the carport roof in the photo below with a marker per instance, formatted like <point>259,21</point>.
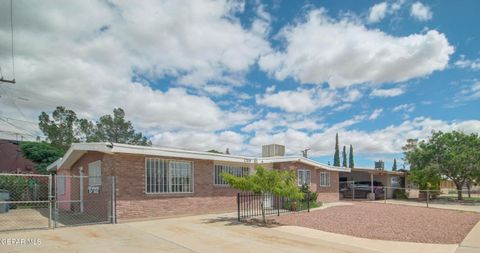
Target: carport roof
<point>77,150</point>
<point>378,172</point>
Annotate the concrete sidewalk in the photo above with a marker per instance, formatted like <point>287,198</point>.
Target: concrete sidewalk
<point>370,244</point>
<point>471,243</point>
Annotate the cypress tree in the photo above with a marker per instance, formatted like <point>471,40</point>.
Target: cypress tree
<point>344,156</point>
<point>394,167</point>
<point>336,156</point>
<point>351,162</point>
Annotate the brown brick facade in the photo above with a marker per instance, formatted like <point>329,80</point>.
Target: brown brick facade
<point>133,203</point>
<point>324,193</point>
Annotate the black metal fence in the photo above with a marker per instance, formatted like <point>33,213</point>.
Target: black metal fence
<point>249,205</point>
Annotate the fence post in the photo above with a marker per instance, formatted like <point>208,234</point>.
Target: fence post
<point>238,205</point>
<point>50,200</point>
<point>114,200</point>
<point>385,194</point>
<point>308,201</point>
<point>353,190</point>
<point>428,197</point>
<point>278,206</point>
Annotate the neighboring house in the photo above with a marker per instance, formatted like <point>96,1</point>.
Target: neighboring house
<point>12,160</point>
<point>159,182</point>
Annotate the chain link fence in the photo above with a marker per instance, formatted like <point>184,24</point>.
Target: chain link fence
<point>25,201</point>
<point>351,190</point>
<point>29,201</point>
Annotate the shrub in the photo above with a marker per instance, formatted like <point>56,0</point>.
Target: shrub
<point>400,194</point>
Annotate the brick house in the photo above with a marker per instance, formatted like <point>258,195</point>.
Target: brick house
<point>12,159</point>
<point>160,182</point>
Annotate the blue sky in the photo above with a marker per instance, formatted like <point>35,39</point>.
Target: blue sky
<point>233,74</point>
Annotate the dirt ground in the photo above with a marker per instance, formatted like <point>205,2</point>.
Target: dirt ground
<point>389,222</point>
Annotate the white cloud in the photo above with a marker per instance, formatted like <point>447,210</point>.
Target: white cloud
<point>420,11</point>
<point>404,107</point>
<point>274,122</point>
<point>465,63</point>
<point>375,114</point>
<point>87,62</point>
<point>387,140</point>
<point>322,49</point>
<point>202,141</point>
<point>393,92</point>
<point>377,12</point>
<point>300,100</point>
<point>468,92</point>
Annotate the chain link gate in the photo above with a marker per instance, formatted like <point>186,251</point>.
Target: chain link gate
<point>83,200</point>
<point>29,201</point>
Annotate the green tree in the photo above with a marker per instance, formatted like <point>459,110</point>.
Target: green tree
<point>344,157</point>
<point>113,128</point>
<point>336,156</point>
<point>263,181</point>
<point>61,128</point>
<point>351,161</point>
<point>41,154</point>
<point>454,155</point>
<point>394,167</point>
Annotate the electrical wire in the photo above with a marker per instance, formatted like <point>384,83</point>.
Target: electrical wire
<point>11,27</point>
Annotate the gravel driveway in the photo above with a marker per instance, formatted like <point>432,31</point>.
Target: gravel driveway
<point>388,222</point>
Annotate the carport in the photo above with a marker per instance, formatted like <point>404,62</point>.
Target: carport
<point>387,178</point>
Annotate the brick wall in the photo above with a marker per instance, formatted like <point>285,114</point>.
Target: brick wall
<point>324,193</point>
<point>133,203</point>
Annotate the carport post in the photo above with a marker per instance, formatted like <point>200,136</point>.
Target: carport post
<point>371,182</point>
<point>385,194</point>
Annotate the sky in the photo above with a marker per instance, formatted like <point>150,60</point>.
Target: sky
<point>207,75</point>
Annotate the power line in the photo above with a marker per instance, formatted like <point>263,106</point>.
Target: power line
<point>13,57</point>
<point>11,27</point>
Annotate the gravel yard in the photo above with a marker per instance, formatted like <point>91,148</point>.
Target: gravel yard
<point>388,222</point>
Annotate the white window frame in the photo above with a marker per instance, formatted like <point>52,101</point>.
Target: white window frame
<point>168,179</point>
<point>325,174</point>
<point>300,183</point>
<point>61,184</point>
<point>95,173</point>
<point>238,168</point>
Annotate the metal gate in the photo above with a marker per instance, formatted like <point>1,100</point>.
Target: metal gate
<point>82,200</point>
<point>29,201</point>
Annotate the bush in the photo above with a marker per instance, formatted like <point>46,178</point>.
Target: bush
<point>400,194</point>
<point>301,205</point>
<point>307,194</point>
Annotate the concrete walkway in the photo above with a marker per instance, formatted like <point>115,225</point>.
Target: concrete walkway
<point>471,243</point>
<point>467,208</point>
<point>370,244</point>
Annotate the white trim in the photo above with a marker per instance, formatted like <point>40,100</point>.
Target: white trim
<point>76,150</point>
<point>170,193</point>
<point>320,178</point>
<point>234,165</point>
<point>310,177</point>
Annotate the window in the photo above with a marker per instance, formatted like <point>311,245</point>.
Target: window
<point>303,177</point>
<point>236,171</point>
<point>168,176</point>
<point>95,173</point>
<point>60,184</point>
<point>325,179</point>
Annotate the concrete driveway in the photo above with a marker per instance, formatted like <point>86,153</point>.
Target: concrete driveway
<point>206,233</point>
